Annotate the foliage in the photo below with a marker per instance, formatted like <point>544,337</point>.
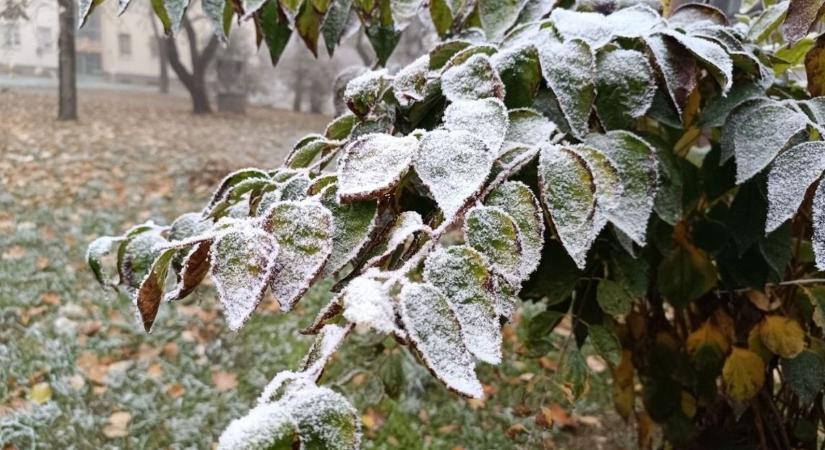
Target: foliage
<point>654,180</point>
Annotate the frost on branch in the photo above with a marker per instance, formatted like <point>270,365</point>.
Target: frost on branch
<point>819,225</point>
<point>625,86</point>
<point>518,201</point>
<point>373,165</point>
<point>638,169</point>
<point>435,334</point>
<point>569,70</point>
<point>494,233</point>
<point>453,165</point>
<point>304,232</point>
<point>792,172</point>
<point>569,193</point>
<point>243,263</point>
<point>352,225</point>
<point>485,118</point>
<point>367,303</point>
<point>762,135</point>
<point>472,80</point>
<point>528,127</point>
<point>460,273</point>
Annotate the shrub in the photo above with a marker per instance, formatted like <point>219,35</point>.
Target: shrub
<point>655,180</point>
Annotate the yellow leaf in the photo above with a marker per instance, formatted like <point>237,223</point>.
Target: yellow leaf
<point>743,374</point>
<point>707,335</point>
<point>782,336</point>
<point>688,404</point>
<point>40,393</point>
<point>755,345</point>
<point>624,395</point>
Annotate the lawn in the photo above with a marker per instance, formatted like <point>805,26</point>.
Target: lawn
<point>76,369</point>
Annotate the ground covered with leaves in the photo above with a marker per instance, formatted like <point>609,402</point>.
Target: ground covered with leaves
<point>76,368</point>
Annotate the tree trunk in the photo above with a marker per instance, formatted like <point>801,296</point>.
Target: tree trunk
<point>163,77</point>
<point>200,98</point>
<point>194,82</point>
<point>66,62</point>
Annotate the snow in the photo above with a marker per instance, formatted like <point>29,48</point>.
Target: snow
<point>188,225</point>
<point>352,225</point>
<point>569,70</point>
<point>638,169</point>
<point>711,54</point>
<point>591,27</point>
<point>791,174</point>
<point>325,345</point>
<point>635,21</point>
<point>304,233</point>
<point>460,273</point>
<point>367,303</point>
<point>676,67</point>
<point>243,262</point>
<point>818,220</point>
<point>625,87</point>
<point>373,165</point>
<point>259,429</point>
<point>762,135</point>
<point>472,80</point>
<point>213,10</point>
<point>485,118</point>
<point>363,92</point>
<point>406,225</point>
<point>494,234</point>
<point>435,334</point>
<point>568,192</point>
<point>737,116</point>
<point>529,127</point>
<point>515,198</point>
<point>410,82</point>
<point>454,166</point>
<point>608,182</point>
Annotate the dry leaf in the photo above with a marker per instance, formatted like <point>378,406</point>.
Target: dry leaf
<point>118,425</point>
<point>224,381</point>
<point>782,336</point>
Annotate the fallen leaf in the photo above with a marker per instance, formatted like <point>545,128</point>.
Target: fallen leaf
<point>224,381</point>
<point>40,393</point>
<point>118,425</point>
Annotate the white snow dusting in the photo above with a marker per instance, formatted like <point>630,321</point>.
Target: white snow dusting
<point>518,201</point>
<point>472,80</point>
<point>373,165</point>
<point>759,138</point>
<point>791,174</point>
<point>486,118</point>
<point>528,127</point>
<point>367,303</point>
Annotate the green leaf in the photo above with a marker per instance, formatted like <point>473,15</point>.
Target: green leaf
<point>712,56</point>
<point>306,151</point>
<point>606,343</point>
<point>365,91</point>
<point>572,376</point>
<point>435,334</point>
<point>497,16</point>
<point>276,29</point>
<point>758,139</point>
<point>98,249</point>
<point>613,298</point>
<point>569,70</point>
<point>520,72</point>
<point>373,165</point>
<point>265,427</point>
<point>159,6</point>
<point>352,225</point>
<point>441,15</point>
<point>137,256</point>
<point>517,200</point>
<point>494,233</point>
<point>304,231</point>
<point>625,87</point>
<point>719,107</point>
<point>308,26</point>
<point>460,273</point>
<point>340,128</point>
<point>805,375</point>
<point>555,278</point>
<point>539,330</point>
<point>335,23</point>
<point>231,181</point>
<point>472,80</point>
<point>326,343</point>
<point>382,33</point>
<point>442,52</point>
<point>326,420</point>
<point>768,21</point>
<point>685,274</point>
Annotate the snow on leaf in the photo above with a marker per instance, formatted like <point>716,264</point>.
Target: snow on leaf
<point>802,15</point>
<point>460,273</point>
<point>138,255</point>
<point>464,54</point>
<point>759,138</point>
<point>194,267</point>
<point>373,165</point>
<point>352,225</point>
<point>410,83</point>
<point>486,118</point>
<point>638,169</point>
<point>364,92</point>
<point>296,187</point>
<point>695,15</point>
<point>214,11</point>
<point>326,343</point>
<point>818,212</point>
<point>814,108</point>
<point>474,79</point>
<point>442,52</point>
<point>304,231</point>
<point>367,303</point>
<point>435,334</point>
<point>520,72</point>
<point>515,198</point>
<point>791,174</point>
<point>590,27</point>
<point>122,5</point>
<point>497,16</point>
<point>188,225</point>
<point>737,116</point>
<point>633,22</point>
<point>569,194</point>
<point>569,70</point>
<point>98,249</point>
<point>265,427</point>
<point>625,87</point>
<point>494,233</point>
<point>608,181</point>
<point>529,127</point>
<point>718,109</point>
<point>243,263</point>
<point>329,311</point>
<point>677,68</point>
<point>231,180</point>
<point>453,165</point>
<point>305,153</point>
<point>406,225</point>
<point>150,292</point>
<point>712,55</point>
<point>326,420</point>
<point>175,10</point>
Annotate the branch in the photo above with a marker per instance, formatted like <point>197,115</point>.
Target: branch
<point>174,60</point>
<point>206,55</point>
<point>193,40</point>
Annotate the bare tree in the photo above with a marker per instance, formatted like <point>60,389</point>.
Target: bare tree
<point>159,41</point>
<point>194,81</point>
<point>66,62</point>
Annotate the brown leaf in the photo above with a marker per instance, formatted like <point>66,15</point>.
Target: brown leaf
<point>815,67</point>
<point>802,15</point>
<point>224,381</point>
<point>118,425</point>
<point>516,430</point>
<point>175,390</point>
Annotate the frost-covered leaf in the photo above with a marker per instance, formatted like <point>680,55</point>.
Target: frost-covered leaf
<point>805,375</point>
<point>441,53</point>
<point>295,188</point>
<point>305,152</point>
<point>528,127</point>
<point>497,16</point>
<point>243,263</point>
<point>150,292</point>
<point>590,27</point>
<point>737,116</point>
<point>463,55</point>
<point>713,56</point>
<point>175,9</point>
<point>690,16</point>
<point>411,83</point>
<point>364,92</point>
<point>137,255</point>
<point>638,169</point>
<point>743,374</point>
<point>768,21</point>
<point>406,225</point>
<point>818,220</point>
<point>352,225</point>
<point>518,201</point>
<point>460,273</point>
<point>265,427</point>
<point>494,233</point>
<point>792,172</point>
<point>607,180</point>
<point>98,249</point>
<point>625,87</point>
<point>367,303</point>
<point>485,118</point>
<point>373,165</point>
<point>569,194</point>
<point>194,267</point>
<point>341,128</point>
<point>759,138</point>
<point>802,15</point>
<point>474,79</point>
<point>569,70</point>
<point>326,343</point>
<point>718,109</point>
<point>453,165</point>
<point>304,232</point>
<point>676,67</point>
<point>230,181</point>
<point>520,72</point>
<point>216,12</point>
<point>633,22</point>
<point>435,333</point>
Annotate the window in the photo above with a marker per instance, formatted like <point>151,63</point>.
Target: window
<point>9,35</point>
<point>45,40</point>
<point>124,42</point>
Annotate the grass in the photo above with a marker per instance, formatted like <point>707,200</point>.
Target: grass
<point>134,157</point>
